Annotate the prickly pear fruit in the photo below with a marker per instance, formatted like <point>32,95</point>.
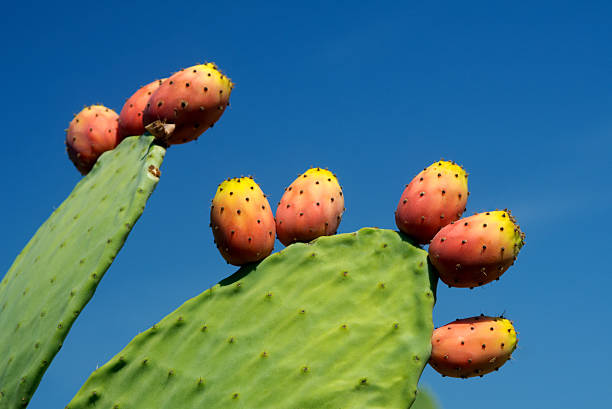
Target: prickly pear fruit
<point>187,103</point>
<point>477,249</point>
<point>433,199</point>
<point>242,222</point>
<point>472,346</point>
<point>130,118</point>
<point>311,206</point>
<point>91,132</point>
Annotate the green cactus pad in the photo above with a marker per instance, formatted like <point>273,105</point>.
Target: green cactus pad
<point>425,400</point>
<point>57,272</point>
<point>343,322</point>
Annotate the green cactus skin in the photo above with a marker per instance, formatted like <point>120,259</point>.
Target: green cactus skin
<point>342,322</point>
<point>425,400</point>
<point>58,271</point>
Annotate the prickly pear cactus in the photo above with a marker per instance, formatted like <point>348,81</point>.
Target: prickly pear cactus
<point>343,322</point>
<point>59,269</point>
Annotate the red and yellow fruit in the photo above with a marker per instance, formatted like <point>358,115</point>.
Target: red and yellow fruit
<point>477,249</point>
<point>472,346</point>
<point>242,221</point>
<point>312,206</point>
<point>130,118</point>
<point>434,198</point>
<point>191,101</point>
<point>91,132</point>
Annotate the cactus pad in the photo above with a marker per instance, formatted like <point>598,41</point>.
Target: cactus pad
<point>425,400</point>
<point>58,271</point>
<point>342,322</point>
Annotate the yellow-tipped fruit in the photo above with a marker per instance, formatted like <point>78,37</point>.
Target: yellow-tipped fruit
<point>434,198</point>
<point>476,250</point>
<point>242,222</point>
<point>472,346</point>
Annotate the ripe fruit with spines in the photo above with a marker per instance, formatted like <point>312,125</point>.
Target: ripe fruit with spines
<point>472,346</point>
<point>477,249</point>
<point>130,118</point>
<point>242,222</point>
<point>91,132</point>
<point>312,206</point>
<point>434,198</point>
<point>190,101</point>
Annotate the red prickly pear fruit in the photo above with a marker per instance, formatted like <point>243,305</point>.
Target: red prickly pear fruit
<point>130,118</point>
<point>433,199</point>
<point>477,249</point>
<point>91,132</point>
<point>242,222</point>
<point>311,207</point>
<point>472,346</point>
<point>188,103</point>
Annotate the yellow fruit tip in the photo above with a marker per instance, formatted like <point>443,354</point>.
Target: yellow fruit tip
<point>450,166</point>
<point>319,171</point>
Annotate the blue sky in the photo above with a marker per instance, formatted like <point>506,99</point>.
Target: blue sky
<point>519,93</point>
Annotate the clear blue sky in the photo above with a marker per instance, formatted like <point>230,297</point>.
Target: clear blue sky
<point>519,92</point>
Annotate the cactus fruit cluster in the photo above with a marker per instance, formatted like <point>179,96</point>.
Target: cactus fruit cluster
<point>175,110</point>
<point>244,228</point>
<point>330,321</point>
<point>466,252</point>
